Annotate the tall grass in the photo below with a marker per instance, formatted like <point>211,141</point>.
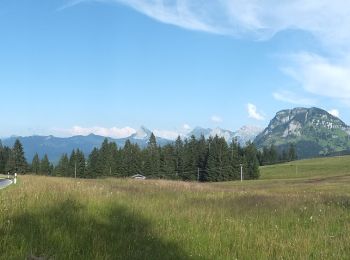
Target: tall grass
<point>280,216</point>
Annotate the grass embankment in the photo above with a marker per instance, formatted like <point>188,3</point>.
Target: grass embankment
<point>284,215</point>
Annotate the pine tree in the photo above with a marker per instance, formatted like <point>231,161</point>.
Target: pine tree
<point>167,162</point>
<point>62,168</point>
<point>219,167</point>
<point>152,158</point>
<point>72,165</point>
<point>36,164</point>
<point>251,163</point>
<point>190,160</point>
<point>2,159</point>
<point>179,157</point>
<point>265,156</point>
<point>80,164</point>
<point>17,162</point>
<point>45,166</point>
<point>106,157</point>
<point>235,160</point>
<point>114,159</point>
<point>131,160</point>
<point>6,151</point>
<point>273,154</point>
<point>202,158</point>
<point>292,154</point>
<point>284,156</point>
<point>94,168</point>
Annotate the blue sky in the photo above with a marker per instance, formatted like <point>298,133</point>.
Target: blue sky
<point>108,67</point>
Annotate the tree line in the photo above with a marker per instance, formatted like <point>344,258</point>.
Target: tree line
<point>272,155</point>
<point>201,159</point>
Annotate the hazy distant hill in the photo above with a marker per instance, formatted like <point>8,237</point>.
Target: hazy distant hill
<point>54,147</point>
<point>313,130</point>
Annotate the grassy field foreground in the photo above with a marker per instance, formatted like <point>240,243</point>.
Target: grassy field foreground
<point>299,210</point>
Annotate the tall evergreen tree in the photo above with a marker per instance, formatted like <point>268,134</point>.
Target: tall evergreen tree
<point>219,167</point>
<point>235,160</point>
<point>80,164</point>
<point>6,151</point>
<point>114,159</point>
<point>202,158</point>
<point>179,157</point>
<point>35,164</point>
<point>106,157</point>
<point>292,154</point>
<point>2,159</point>
<point>94,167</point>
<point>167,162</point>
<point>152,158</point>
<point>251,163</point>
<point>131,160</point>
<point>72,164</point>
<point>45,166</point>
<point>273,154</point>
<point>17,162</point>
<point>190,159</point>
<point>62,168</point>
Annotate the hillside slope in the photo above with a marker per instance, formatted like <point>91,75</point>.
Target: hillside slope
<point>314,131</point>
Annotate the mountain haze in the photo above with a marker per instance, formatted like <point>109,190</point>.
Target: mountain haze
<point>54,147</point>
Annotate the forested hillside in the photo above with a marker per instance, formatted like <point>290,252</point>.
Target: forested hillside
<point>211,159</point>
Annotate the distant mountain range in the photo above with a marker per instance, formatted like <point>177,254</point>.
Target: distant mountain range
<point>54,147</point>
<point>314,131</point>
<point>242,135</point>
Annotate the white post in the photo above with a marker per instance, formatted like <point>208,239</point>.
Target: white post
<point>15,179</point>
<point>241,172</point>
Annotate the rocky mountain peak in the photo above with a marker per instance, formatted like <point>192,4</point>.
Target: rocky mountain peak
<point>313,126</point>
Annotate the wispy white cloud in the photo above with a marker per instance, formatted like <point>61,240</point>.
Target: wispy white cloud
<point>334,112</point>
<point>167,134</point>
<point>216,119</point>
<point>253,112</point>
<point>109,132</point>
<point>122,132</point>
<point>293,98</point>
<point>320,76</point>
<point>327,20</point>
<point>71,3</point>
<point>173,134</point>
<point>186,127</point>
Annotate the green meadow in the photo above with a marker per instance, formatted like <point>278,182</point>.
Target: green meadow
<point>298,210</point>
